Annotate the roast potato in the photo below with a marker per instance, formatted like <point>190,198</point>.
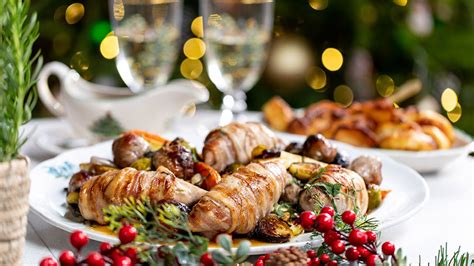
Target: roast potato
<point>273,229</point>
<point>278,113</point>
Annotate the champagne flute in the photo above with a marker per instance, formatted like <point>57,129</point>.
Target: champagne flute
<point>237,34</point>
<point>148,33</point>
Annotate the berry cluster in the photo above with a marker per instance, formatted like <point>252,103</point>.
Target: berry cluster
<point>356,245</point>
<point>117,255</point>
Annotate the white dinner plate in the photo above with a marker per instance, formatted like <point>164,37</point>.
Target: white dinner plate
<point>49,179</point>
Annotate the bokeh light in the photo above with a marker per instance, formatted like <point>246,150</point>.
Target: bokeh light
<point>332,59</point>
<point>385,85</point>
<point>197,27</point>
<point>194,48</point>
<point>455,114</point>
<point>119,10</point>
<point>59,13</point>
<point>79,62</point>
<point>191,69</point>
<point>74,13</point>
<point>61,43</point>
<point>99,30</point>
<point>401,2</point>
<point>316,78</point>
<point>318,4</point>
<point>109,47</point>
<point>449,99</point>
<point>343,95</point>
<point>215,20</point>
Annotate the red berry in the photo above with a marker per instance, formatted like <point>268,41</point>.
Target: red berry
<point>324,258</point>
<point>371,236</point>
<point>132,254</point>
<point>330,236</point>
<point>324,222</point>
<point>122,261</point>
<point>371,260</point>
<point>328,209</point>
<point>311,253</point>
<point>206,259</point>
<point>388,248</point>
<point>307,219</point>
<point>352,254</point>
<point>259,263</point>
<point>78,239</point>
<point>333,263</point>
<point>105,248</point>
<point>315,261</point>
<point>48,261</point>
<point>363,252</point>
<point>127,234</point>
<point>67,258</point>
<point>357,237</point>
<point>267,256</point>
<point>348,217</point>
<point>95,259</point>
<point>114,254</point>
<point>338,246</point>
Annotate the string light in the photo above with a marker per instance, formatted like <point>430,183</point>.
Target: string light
<point>109,47</point>
<point>401,2</point>
<point>119,10</point>
<point>74,13</point>
<point>343,95</point>
<point>318,4</point>
<point>385,85</point>
<point>79,62</point>
<point>316,78</point>
<point>455,114</point>
<point>449,99</point>
<point>194,48</point>
<point>191,69</point>
<point>332,59</point>
<point>197,27</point>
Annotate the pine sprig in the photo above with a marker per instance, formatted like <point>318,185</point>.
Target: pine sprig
<point>18,32</point>
<point>457,259</point>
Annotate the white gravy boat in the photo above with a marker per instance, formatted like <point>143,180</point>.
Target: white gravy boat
<point>98,112</point>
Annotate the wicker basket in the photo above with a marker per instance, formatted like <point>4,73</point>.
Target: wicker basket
<point>14,191</point>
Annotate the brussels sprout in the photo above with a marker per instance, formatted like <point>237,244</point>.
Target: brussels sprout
<point>72,198</point>
<point>375,197</point>
<point>272,229</point>
<point>304,171</point>
<point>142,164</point>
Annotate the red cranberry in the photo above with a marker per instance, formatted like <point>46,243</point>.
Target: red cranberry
<point>324,258</point>
<point>363,252</point>
<point>357,237</point>
<point>333,263</point>
<point>315,261</point>
<point>105,248</point>
<point>95,259</point>
<point>352,254</point>
<point>78,239</point>
<point>338,246</point>
<point>259,263</point>
<point>328,209</point>
<point>371,260</point>
<point>348,217</point>
<point>206,259</point>
<point>388,248</point>
<point>311,253</point>
<point>48,261</point>
<point>371,236</point>
<point>127,234</point>
<point>67,258</point>
<point>324,222</point>
<point>307,219</point>
<point>122,261</point>
<point>330,236</point>
<point>132,254</point>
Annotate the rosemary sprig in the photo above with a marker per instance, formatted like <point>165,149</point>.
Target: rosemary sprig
<point>19,69</point>
<point>457,259</point>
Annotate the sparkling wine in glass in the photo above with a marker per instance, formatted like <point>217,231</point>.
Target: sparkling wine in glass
<point>237,34</point>
<point>148,32</point>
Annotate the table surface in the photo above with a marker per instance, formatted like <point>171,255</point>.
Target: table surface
<point>446,217</point>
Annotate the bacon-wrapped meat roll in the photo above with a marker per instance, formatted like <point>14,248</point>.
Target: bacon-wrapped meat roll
<point>112,187</point>
<point>240,200</point>
<point>234,143</point>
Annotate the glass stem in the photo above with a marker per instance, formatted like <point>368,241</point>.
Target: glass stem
<point>233,105</point>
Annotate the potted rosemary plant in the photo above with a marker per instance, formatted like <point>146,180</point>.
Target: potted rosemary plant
<point>18,71</point>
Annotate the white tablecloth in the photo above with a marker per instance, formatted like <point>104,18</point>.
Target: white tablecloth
<point>447,216</point>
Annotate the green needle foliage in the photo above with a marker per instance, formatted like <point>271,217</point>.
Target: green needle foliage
<point>18,71</point>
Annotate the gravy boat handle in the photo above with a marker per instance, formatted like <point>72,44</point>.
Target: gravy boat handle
<point>51,103</point>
